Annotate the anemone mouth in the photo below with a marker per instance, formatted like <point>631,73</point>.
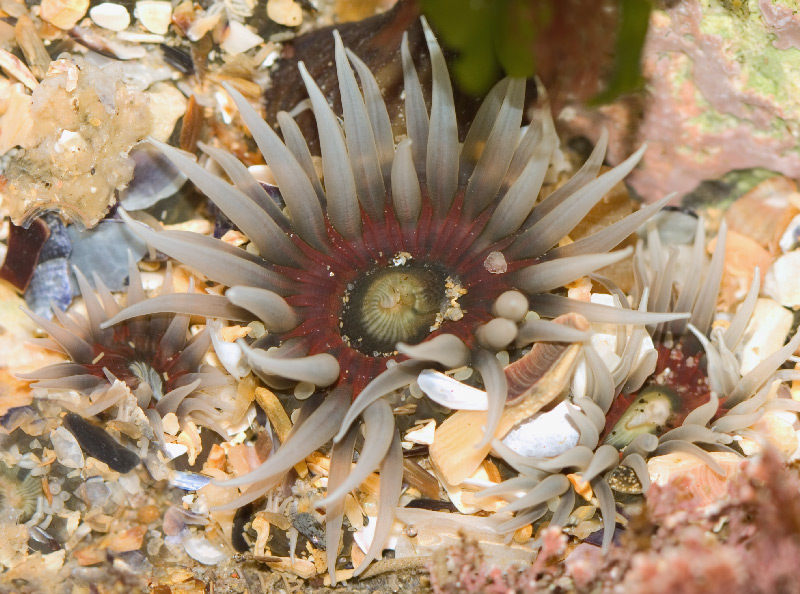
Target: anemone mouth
<point>136,357</point>
<point>145,372</point>
<point>653,410</point>
<point>404,302</point>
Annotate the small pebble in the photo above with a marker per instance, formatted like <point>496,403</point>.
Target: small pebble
<point>96,492</point>
<point>110,16</point>
<point>66,448</point>
<point>154,15</point>
<point>148,514</point>
<point>285,12</point>
<point>202,550</point>
<point>188,481</point>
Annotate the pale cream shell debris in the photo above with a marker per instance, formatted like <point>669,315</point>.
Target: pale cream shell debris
<point>64,14</point>
<point>443,529</point>
<point>285,12</point>
<point>465,496</point>
<point>782,282</point>
<point>422,434</point>
<point>14,67</point>
<point>67,449</point>
<point>16,123</point>
<point>239,39</point>
<point>111,16</point>
<point>154,15</point>
<point>201,549</point>
<point>765,334</point>
<point>363,537</point>
<point>167,105</point>
<point>229,353</point>
<point>789,238</point>
<point>700,480</point>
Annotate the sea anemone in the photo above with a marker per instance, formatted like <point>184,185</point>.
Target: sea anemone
<point>155,357</point>
<point>691,398</point>
<point>695,358</point>
<point>402,257</point>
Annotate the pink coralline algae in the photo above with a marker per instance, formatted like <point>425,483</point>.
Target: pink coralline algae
<point>719,98</point>
<point>747,542</point>
<point>461,569</point>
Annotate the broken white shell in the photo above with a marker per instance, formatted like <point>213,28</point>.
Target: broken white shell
<point>229,353</point>
<point>765,333</point>
<point>239,39</point>
<point>446,391</point>
<point>782,282</point>
<point>546,435</point>
<point>366,534</point>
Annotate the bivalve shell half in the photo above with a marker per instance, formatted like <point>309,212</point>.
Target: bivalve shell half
<point>454,452</point>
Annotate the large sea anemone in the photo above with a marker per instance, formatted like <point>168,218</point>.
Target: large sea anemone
<point>403,256</point>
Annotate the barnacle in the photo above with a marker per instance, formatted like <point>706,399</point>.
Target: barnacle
<point>19,494</point>
<point>154,356</point>
<point>400,258</point>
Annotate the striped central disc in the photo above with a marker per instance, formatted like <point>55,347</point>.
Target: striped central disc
<point>394,304</point>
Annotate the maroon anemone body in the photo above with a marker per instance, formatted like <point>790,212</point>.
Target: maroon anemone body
<point>446,243</point>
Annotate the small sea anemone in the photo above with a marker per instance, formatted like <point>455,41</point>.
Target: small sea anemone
<point>403,257</point>
<point>695,359</point>
<point>685,402</point>
<point>154,356</point>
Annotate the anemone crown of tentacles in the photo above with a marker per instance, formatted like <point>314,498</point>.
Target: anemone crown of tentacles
<point>400,249</point>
